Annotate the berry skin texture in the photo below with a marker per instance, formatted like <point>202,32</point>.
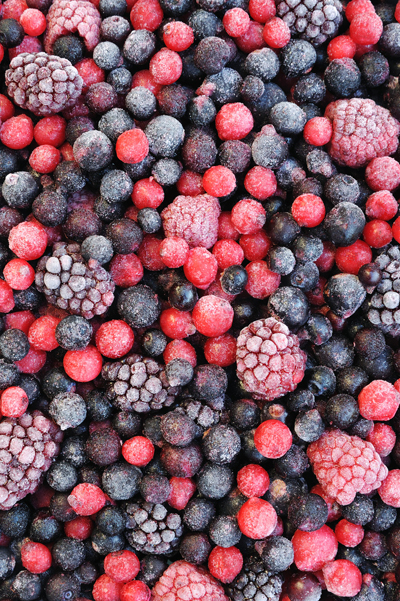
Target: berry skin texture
<point>35,557</point>
<point>83,366</point>
<point>182,490</point>
<point>178,36</point>
<point>234,121</point>
<point>261,282</point>
<point>33,21</point>
<point>42,333</point>
<point>313,549</point>
<point>200,268</point>
<point>192,581</point>
<point>28,240</point>
<point>349,534</point>
<point>195,219</point>
<point>212,316</point>
<point>45,158</point>
<point>19,274</point>
<point>377,233</point>
<point>379,400</point>
<point>138,451</point>
<point>366,29</point>
<point>341,47</point>
<point>14,402</point>
<point>260,183</point>
<point>383,173</point>
<point>308,210</point>
<point>342,578</point>
<point>236,22</point>
<point>174,252</point>
<point>126,270</point>
<point>225,563</point>
<point>345,465</point>
<point>317,131</point>
<point>135,591</point>
<point>17,132</point>
<point>248,216</point>
<point>122,566</point>
<point>86,499</point>
<point>114,339</point>
<point>257,518</point>
<point>221,350</point>
<point>106,589</point>
<point>176,324</point>
<point>132,146</point>
<point>166,67</point>
<point>219,181</point>
<point>273,439</point>
<point>147,193</point>
<point>389,491</point>
<point>349,259</point>
<point>383,437</point>
<point>253,480</point>
<point>381,205</point>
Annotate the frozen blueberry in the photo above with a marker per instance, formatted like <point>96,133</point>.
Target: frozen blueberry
<point>19,189</point>
<point>73,333</point>
<point>297,57</point>
<point>342,77</point>
<point>277,554</point>
<point>166,172</point>
<point>215,481</point>
<point>115,29</point>
<point>68,410</point>
<point>98,248</point>
<point>14,345</point>
<point>106,55</point>
<point>62,476</point>
<point>287,118</point>
<point>141,103</point>
<point>121,481</point>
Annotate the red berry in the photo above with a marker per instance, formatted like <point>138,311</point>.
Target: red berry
<point>200,267</point>
<point>45,158</point>
<point>248,216</point>
<point>366,28</point>
<point>255,246</point>
<point>383,173</point>
<point>87,499</point>
<point>257,518</point>
<point>326,260</point>
<point>225,563</point>
<point>174,251</point>
<point>1,53</point>
<point>33,21</point>
<point>50,130</point>
<point>126,270</point>
<point>19,274</point>
<point>358,7</point>
<point>147,193</point>
<point>221,350</point>
<point>35,557</point>
<point>227,253</point>
<point>389,490</point>
<point>105,589</point>
<point>114,339</point>
<point>308,210</point>
<point>341,47</point>
<point>252,480</point>
<point>146,14</point>
<point>33,362</point>
<point>349,534</point>
<point>262,10</point>
<point>176,324</point>
<point>318,131</point>
<point>219,181</point>
<point>276,33</point>
<point>383,438</point>
<point>138,450</point>
<point>180,349</point>
<point>182,490</point>
<point>226,229</point>
<point>122,566</point>
<point>7,108</point>
<point>178,36</point>
<point>144,78</point>
<point>379,400</point>
<point>28,240</point>
<point>262,282</point>
<point>260,183</point>
<point>14,402</point>
<point>342,577</point>
<point>190,183</point>
<point>132,146</point>
<point>312,550</point>
<point>349,259</point>
<point>21,320</point>
<point>90,73</point>
<point>17,132</point>
<point>236,22</point>
<point>42,333</point>
<point>83,366</point>
<point>234,121</point>
<point>212,316</point>
<point>80,528</point>
<point>273,439</point>
<point>381,205</point>
<point>165,66</point>
<point>149,253</point>
<point>377,233</point>
<point>135,591</point>
<point>396,229</point>
<point>28,44</point>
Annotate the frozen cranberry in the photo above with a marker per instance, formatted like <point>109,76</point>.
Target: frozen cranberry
<point>33,21</point>
<point>377,233</point>
<point>272,439</point>
<point>225,563</point>
<point>383,438</point>
<point>379,400</point>
<point>383,173</point>
<point>90,73</point>
<point>126,270</point>
<point>257,518</point>
<point>342,577</point>
<point>174,252</point>
<point>135,591</point>
<point>312,550</point>
<point>234,121</point>
<point>366,28</point>
<point>147,193</point>
<point>389,490</point>
<point>276,33</point>
<point>219,181</point>
<point>45,158</point>
<point>106,589</point>
<point>248,216</point>
<point>357,7</point>
<point>20,320</point>
<point>255,246</point>
<point>227,253</point>
<point>262,10</point>
<point>381,205</point>
<point>341,47</point>
<point>149,253</point>
<point>114,339</point>
<point>132,146</point>
<point>35,557</point>
<point>349,534</point>
<point>182,490</point>
<point>122,566</point>
<point>138,451</point>
<point>14,402</point>
<point>7,108</point>
<point>180,349</point>
<point>318,131</point>
<point>80,528</point>
<point>212,316</point>
<point>253,480</point>
<point>86,499</point>
<point>260,183</point>
<point>262,282</point>
<point>221,350</point>
<point>236,22</point>
<point>50,130</point>
<point>349,259</point>
<point>146,14</point>
<point>42,333</point>
<point>226,229</point>
<point>190,183</point>
<point>176,324</point>
<point>33,362</point>
<point>28,240</point>
<point>17,132</point>
<point>165,66</point>
<point>308,210</point>
<point>19,274</point>
<point>200,267</point>
<point>83,366</point>
<point>178,36</point>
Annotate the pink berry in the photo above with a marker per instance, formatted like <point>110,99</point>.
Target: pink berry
<point>166,67</point>
<point>366,29</point>
<point>105,589</point>
<point>225,563</point>
<point>136,590</point>
<point>349,259</point>
<point>35,557</point>
<point>260,183</point>
<point>308,210</point>
<point>147,193</point>
<point>342,578</point>
<point>221,350</point>
<point>21,320</point>
<point>86,499</point>
<point>236,22</point>
<point>248,216</point>
<point>312,550</point>
<point>262,10</point>
<point>318,131</point>
<point>219,181</point>
<point>122,566</point>
<point>383,173</point>
<point>19,274</point>
<point>17,132</point>
<point>182,490</point>
<point>32,362</point>
<point>83,366</point>
<point>389,490</point>
<point>234,121</point>
<point>273,439</point>
<point>42,333</point>
<point>185,579</point>
<point>138,450</point>
<point>200,267</point>
<point>180,349</point>
<point>212,316</point>
<point>174,251</point>
<point>146,14</point>
<point>383,437</point>
<point>253,480</point>
<point>381,205</point>
<point>80,528</point>
<point>28,240</point>
<point>114,339</point>
<point>261,282</point>
<point>14,402</point>
<point>178,36</point>
<point>132,146</point>
<point>257,518</point>
<point>227,253</point>
<point>276,33</point>
<point>349,534</point>
<point>126,270</point>
<point>379,400</point>
<point>255,246</point>
<point>377,233</point>
<point>177,324</point>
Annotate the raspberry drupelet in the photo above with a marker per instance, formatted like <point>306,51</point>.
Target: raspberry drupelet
<point>186,579</point>
<point>66,17</point>
<point>345,465</point>
<point>193,218</point>
<point>269,360</point>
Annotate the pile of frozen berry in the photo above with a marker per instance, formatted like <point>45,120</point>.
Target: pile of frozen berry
<point>200,300</point>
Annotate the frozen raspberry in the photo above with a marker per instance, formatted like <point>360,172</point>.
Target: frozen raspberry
<point>182,580</point>
<point>362,131</point>
<point>43,83</point>
<point>193,218</point>
<point>345,465</point>
<point>269,360</point>
<point>66,17</point>
<point>28,446</point>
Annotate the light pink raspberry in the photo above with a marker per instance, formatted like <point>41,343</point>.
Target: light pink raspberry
<point>69,16</point>
<point>193,218</point>
<point>183,581</point>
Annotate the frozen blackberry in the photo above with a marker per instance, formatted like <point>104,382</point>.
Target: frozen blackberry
<point>69,47</point>
<point>360,511</point>
<point>309,88</point>
<point>62,587</point>
<point>73,333</point>
<point>139,46</point>
<point>223,87</point>
<point>93,150</point>
<point>234,279</point>
<point>61,80</point>
<point>19,189</point>
<point>120,481</point>
<point>50,207</point>
<point>221,444</point>
<point>109,8</point>
<point>204,24</point>
<point>155,488</point>
<point>181,462</point>
<point>165,135</point>
<point>151,528</point>
<point>73,451</point>
<point>111,520</point>
<point>103,447</point>
<point>214,481</point>
<point>313,21</point>
<point>344,224</point>
<point>195,548</point>
<point>297,57</point>
<point>62,476</point>
<point>198,514</point>
<point>383,304</point>
<point>166,172</point>
<point>106,55</point>
<point>14,345</point>
<point>120,79</point>
<point>115,29</point>
<point>69,283</point>
<point>308,512</point>
<point>68,410</point>
<point>203,416</point>
<point>137,384</point>
<point>290,305</point>
<point>114,123</point>
<point>269,149</point>
<point>255,582</point>
<point>235,155</point>
<point>224,531</point>
<point>154,342</point>
<point>11,33</point>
